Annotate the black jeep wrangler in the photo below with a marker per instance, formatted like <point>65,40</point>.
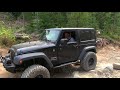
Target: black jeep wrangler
<point>59,47</point>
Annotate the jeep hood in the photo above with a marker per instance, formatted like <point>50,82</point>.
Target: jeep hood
<point>28,44</point>
<point>32,46</point>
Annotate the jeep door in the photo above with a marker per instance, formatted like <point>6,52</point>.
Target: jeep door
<point>68,52</point>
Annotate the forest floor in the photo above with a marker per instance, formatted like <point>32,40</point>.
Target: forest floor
<point>106,56</point>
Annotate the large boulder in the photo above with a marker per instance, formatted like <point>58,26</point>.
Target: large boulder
<point>105,72</point>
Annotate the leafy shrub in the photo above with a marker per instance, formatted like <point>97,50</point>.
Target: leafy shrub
<point>7,37</point>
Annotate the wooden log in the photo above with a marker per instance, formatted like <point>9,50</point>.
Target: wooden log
<point>116,66</point>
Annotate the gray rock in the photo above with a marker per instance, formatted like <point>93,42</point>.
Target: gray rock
<point>108,69</point>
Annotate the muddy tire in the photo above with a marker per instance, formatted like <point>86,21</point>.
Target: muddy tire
<point>36,71</point>
<point>89,61</point>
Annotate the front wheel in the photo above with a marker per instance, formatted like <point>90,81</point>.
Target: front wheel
<point>36,71</point>
<point>89,61</point>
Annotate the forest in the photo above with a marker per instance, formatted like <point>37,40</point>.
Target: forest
<point>108,23</point>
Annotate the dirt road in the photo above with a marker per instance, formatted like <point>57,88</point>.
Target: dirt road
<point>106,57</point>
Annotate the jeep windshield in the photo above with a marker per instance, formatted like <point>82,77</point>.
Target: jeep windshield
<point>51,35</point>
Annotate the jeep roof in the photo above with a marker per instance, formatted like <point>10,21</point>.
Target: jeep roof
<point>69,28</point>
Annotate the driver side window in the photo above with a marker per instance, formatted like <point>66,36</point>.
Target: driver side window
<point>68,37</point>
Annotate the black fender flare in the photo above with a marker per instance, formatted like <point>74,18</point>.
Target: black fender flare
<point>30,56</point>
<point>85,50</point>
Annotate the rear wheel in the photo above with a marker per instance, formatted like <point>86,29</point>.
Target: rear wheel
<point>89,61</point>
<point>36,71</point>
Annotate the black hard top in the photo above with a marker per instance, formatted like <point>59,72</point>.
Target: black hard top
<point>70,29</point>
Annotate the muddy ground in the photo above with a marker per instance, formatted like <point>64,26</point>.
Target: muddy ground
<point>105,58</point>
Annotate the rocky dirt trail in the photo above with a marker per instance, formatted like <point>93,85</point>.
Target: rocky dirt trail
<point>3,72</point>
<point>106,57</point>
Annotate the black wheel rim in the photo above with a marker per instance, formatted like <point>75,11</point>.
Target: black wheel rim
<point>91,62</point>
<point>39,76</point>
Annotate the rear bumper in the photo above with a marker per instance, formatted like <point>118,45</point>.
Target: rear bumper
<point>9,67</point>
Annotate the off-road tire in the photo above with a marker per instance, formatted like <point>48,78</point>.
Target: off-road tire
<point>85,62</point>
<point>34,71</point>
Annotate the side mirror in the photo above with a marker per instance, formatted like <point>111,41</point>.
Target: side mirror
<point>63,41</point>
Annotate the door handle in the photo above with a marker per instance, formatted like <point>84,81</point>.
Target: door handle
<point>53,58</point>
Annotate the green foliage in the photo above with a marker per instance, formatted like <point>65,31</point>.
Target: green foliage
<point>81,19</point>
<point>7,37</point>
<point>43,20</point>
<point>107,22</point>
